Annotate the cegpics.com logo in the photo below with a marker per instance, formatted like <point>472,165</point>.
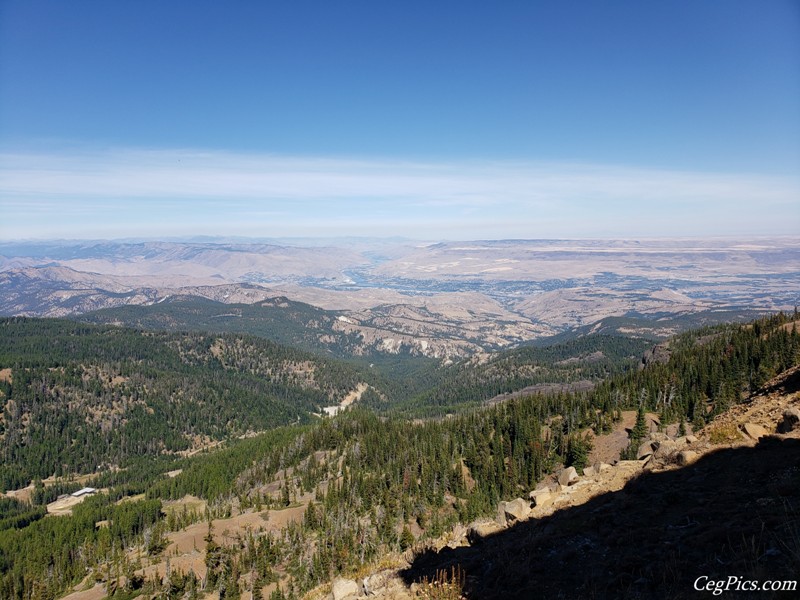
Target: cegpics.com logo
<point>735,583</point>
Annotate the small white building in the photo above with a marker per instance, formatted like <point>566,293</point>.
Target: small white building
<point>87,491</point>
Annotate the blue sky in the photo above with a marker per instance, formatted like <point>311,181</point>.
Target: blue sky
<point>423,119</point>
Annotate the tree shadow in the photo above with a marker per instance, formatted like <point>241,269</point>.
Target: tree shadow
<point>735,512</point>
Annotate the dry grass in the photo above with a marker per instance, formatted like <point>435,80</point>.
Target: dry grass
<point>724,433</point>
<point>444,586</point>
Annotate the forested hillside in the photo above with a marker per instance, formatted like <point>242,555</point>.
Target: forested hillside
<point>584,361</point>
<point>279,319</point>
<point>77,398</point>
<point>367,484</point>
<point>700,374</point>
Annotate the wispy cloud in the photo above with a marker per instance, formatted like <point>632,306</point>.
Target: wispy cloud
<point>135,192</point>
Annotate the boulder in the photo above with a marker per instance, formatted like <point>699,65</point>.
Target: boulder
<point>568,476</point>
<point>603,467</point>
<point>589,471</point>
<point>631,465</point>
<point>396,590</point>
<point>374,582</point>
<point>344,588</point>
<point>517,510</point>
<point>480,530</point>
<point>457,537</point>
<point>665,449</point>
<point>686,457</point>
<point>790,420</point>
<point>645,450</point>
<point>691,439</point>
<point>541,498</point>
<point>754,431</point>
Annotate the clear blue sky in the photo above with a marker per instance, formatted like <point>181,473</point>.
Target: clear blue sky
<point>432,119</point>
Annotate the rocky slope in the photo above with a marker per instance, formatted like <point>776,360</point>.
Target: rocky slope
<point>722,503</point>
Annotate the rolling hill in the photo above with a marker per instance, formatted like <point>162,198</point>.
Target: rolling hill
<point>80,397</point>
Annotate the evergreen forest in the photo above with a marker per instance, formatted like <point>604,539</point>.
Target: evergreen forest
<point>407,463</point>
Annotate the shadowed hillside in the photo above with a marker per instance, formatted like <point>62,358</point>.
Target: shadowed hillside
<point>735,512</point>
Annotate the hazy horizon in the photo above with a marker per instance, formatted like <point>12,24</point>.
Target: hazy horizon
<point>453,121</point>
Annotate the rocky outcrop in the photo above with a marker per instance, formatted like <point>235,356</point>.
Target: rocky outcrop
<point>754,431</point>
<point>568,476</point>
<point>666,449</point>
<point>645,449</point>
<point>480,530</point>
<point>790,420</point>
<point>659,451</point>
<point>344,589</point>
<point>516,510</point>
<point>542,498</point>
<point>659,354</point>
<point>686,457</point>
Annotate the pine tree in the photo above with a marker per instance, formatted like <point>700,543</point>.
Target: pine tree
<point>406,538</point>
<point>640,428</point>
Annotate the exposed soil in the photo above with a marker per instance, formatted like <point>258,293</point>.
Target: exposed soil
<point>98,592</point>
<point>186,548</point>
<point>607,448</point>
<point>64,506</point>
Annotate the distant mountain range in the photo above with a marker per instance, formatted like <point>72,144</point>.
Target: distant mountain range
<point>444,300</point>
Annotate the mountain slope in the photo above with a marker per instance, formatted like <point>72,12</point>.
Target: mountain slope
<point>729,516</point>
<point>575,364</point>
<point>76,396</point>
<point>278,319</point>
<point>359,488</point>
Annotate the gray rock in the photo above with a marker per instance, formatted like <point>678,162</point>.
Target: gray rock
<point>375,582</point>
<point>691,439</point>
<point>629,464</point>
<point>686,457</point>
<point>658,354</point>
<point>542,498</point>
<point>568,476</point>
<point>589,471</point>
<point>344,588</point>
<point>517,510</point>
<point>645,450</point>
<point>480,530</point>
<point>754,431</point>
<point>457,537</point>
<point>790,421</point>
<point>665,449</point>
